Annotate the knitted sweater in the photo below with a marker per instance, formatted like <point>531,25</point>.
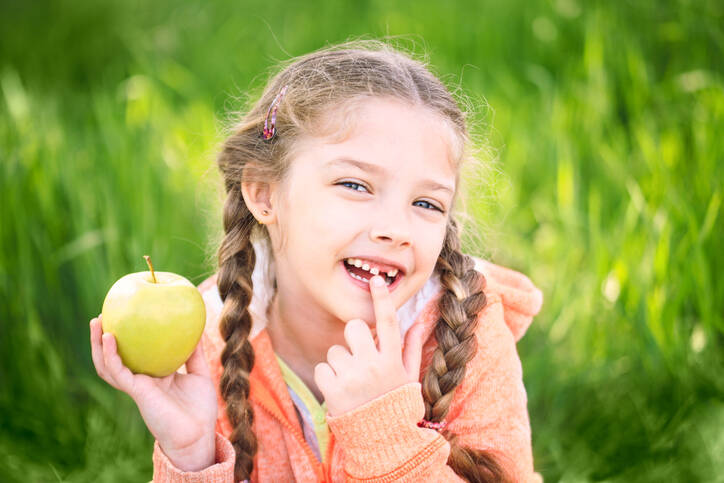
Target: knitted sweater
<point>380,440</point>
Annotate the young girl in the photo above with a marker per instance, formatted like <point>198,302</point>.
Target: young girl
<point>347,337</point>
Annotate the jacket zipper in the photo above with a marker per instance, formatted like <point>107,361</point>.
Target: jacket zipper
<point>320,468</point>
<point>330,450</point>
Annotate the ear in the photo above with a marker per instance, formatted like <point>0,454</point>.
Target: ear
<point>258,196</point>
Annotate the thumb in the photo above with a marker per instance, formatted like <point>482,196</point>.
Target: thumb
<point>412,353</point>
<point>196,364</point>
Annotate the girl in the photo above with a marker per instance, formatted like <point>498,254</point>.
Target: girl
<point>347,337</point>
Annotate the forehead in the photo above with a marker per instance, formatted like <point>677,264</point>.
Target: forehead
<point>397,137</point>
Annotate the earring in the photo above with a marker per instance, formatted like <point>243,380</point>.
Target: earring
<point>265,213</point>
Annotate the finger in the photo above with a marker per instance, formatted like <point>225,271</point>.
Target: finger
<point>121,375</point>
<point>388,329</point>
<point>324,377</point>
<point>97,348</point>
<point>359,338</point>
<point>412,353</point>
<point>196,364</point>
<point>107,354</point>
<point>339,358</point>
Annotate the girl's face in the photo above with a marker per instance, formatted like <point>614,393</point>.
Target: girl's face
<point>381,196</point>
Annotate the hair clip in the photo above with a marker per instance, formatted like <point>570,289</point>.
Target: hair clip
<point>432,424</point>
<point>270,128</point>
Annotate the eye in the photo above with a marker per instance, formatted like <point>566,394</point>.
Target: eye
<point>353,186</point>
<point>429,206</point>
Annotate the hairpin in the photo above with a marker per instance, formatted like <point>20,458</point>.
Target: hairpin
<point>270,128</point>
<point>432,424</point>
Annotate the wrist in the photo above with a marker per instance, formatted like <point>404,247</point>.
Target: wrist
<point>394,414</point>
<point>195,457</point>
<point>383,433</point>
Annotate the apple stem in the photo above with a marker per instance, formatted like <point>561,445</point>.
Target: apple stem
<point>150,265</point>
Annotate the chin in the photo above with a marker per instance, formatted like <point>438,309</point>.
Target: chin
<point>366,314</point>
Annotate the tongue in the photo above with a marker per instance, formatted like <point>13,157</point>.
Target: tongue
<point>359,272</point>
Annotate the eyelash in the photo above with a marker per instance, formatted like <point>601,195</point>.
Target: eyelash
<point>435,208</point>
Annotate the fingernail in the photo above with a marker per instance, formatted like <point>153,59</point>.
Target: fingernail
<point>377,281</point>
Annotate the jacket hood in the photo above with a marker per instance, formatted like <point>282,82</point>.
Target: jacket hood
<point>521,299</point>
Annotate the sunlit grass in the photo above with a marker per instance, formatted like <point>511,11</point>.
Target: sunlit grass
<point>607,190</point>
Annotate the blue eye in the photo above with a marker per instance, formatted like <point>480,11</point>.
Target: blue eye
<point>359,187</point>
<point>430,205</point>
<point>352,185</point>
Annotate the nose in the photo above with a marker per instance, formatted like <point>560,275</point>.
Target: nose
<point>392,230</point>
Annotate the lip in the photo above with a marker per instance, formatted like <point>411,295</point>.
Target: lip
<point>365,285</point>
<point>386,264</point>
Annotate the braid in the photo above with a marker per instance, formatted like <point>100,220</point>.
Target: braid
<point>460,305</point>
<point>236,264</point>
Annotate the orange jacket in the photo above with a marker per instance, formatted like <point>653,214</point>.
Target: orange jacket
<point>380,441</point>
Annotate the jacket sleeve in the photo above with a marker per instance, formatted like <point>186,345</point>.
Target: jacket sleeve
<point>221,472</point>
<point>382,441</point>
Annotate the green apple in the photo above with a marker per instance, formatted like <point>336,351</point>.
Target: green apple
<point>157,319</point>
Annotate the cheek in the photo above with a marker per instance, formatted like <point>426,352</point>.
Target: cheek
<point>431,243</point>
<point>331,217</point>
<point>315,225</point>
<point>426,255</point>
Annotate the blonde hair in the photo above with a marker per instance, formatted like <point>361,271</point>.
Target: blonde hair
<point>323,89</point>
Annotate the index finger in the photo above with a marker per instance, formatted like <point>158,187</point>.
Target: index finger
<point>388,330</point>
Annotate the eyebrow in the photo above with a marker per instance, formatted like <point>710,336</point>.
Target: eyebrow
<point>379,170</point>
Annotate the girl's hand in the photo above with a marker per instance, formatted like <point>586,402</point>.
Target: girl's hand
<point>350,378</point>
<point>179,410</point>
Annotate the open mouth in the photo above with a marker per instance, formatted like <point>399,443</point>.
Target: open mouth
<point>363,272</point>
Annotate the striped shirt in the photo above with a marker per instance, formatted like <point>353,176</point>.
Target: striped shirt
<point>312,415</point>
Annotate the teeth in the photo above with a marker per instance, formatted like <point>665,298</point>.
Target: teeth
<point>365,266</point>
<point>358,277</point>
<point>362,279</point>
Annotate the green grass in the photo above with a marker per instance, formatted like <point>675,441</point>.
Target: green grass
<point>605,121</point>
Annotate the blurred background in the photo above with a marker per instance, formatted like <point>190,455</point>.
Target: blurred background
<point>603,122</point>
